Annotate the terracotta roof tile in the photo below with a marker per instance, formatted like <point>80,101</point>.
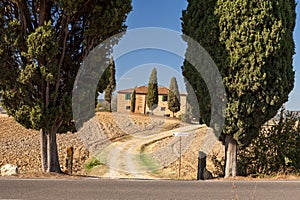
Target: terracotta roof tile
<point>144,90</point>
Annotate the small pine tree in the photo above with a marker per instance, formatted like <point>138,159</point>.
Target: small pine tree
<point>152,95</point>
<point>174,96</point>
<point>133,98</point>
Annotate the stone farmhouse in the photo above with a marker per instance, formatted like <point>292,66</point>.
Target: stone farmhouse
<point>124,101</point>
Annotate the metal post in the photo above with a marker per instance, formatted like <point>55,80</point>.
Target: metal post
<point>179,134</point>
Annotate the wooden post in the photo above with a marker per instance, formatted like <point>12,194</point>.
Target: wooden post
<point>179,156</point>
<point>201,165</point>
<point>69,160</point>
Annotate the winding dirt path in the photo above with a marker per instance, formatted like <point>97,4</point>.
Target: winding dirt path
<point>123,157</point>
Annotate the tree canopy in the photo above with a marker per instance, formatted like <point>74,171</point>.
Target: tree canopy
<point>173,96</point>
<point>252,44</point>
<point>42,45</point>
<point>111,86</point>
<point>152,95</point>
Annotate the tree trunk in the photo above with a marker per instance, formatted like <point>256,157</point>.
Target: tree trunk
<point>109,104</point>
<point>53,162</point>
<point>230,156</point>
<point>44,157</point>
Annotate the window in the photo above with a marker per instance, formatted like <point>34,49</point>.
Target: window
<point>165,98</point>
<point>127,96</point>
<point>163,109</point>
<point>127,107</point>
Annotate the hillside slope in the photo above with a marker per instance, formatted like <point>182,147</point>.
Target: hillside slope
<point>21,146</point>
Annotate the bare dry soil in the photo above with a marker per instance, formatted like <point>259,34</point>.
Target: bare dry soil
<point>21,146</point>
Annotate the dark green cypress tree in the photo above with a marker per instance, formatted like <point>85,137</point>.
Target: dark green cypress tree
<point>173,96</point>
<point>252,44</point>
<point>152,95</point>
<point>133,99</point>
<point>111,86</point>
<point>103,82</point>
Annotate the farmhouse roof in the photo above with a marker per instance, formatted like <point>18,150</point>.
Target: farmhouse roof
<point>144,90</point>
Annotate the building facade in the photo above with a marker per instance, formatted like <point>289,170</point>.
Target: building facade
<point>124,101</point>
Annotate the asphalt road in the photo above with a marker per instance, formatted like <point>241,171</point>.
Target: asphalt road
<point>146,189</point>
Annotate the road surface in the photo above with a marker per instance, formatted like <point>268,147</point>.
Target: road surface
<point>146,189</point>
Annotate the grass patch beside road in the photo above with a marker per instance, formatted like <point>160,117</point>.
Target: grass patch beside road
<point>94,167</point>
<point>146,160</point>
<point>149,163</point>
<point>91,163</point>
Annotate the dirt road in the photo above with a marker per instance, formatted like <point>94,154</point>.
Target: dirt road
<point>124,157</point>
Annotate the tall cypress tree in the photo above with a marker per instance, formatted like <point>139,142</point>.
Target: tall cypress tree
<point>252,44</point>
<point>110,88</point>
<point>173,96</point>
<point>152,95</point>
<point>133,100</point>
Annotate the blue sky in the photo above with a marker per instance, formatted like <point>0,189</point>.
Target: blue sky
<point>134,68</point>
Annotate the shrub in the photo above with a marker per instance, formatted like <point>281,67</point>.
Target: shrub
<point>92,163</point>
<point>275,150</point>
<point>219,165</point>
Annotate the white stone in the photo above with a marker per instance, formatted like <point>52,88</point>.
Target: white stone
<point>9,170</point>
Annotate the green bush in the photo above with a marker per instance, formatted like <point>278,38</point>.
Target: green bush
<point>277,149</point>
<point>92,163</point>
